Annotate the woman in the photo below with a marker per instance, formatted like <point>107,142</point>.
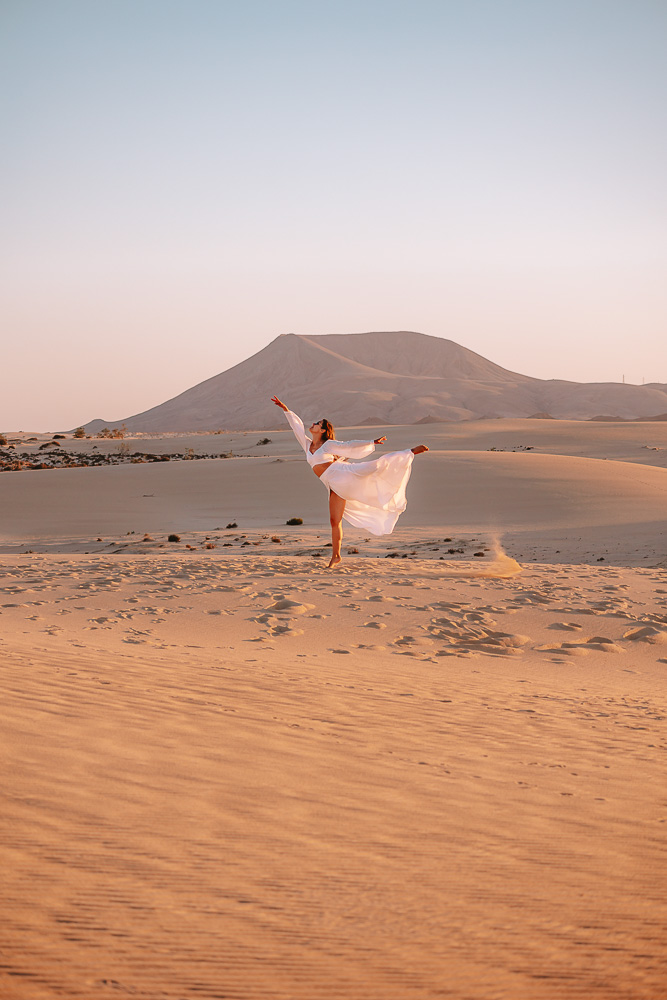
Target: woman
<point>370,495</point>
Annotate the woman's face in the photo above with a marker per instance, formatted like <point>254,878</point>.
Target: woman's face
<point>316,428</point>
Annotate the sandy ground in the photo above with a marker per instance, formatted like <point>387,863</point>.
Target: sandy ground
<point>231,773</point>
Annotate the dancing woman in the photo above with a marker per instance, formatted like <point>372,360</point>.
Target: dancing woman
<point>370,495</point>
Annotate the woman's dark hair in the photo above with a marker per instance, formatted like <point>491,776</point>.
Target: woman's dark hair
<point>327,430</point>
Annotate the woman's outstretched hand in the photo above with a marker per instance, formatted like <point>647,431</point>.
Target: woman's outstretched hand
<point>274,399</point>
<point>379,440</point>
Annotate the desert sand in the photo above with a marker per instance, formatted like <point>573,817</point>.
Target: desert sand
<point>435,772</point>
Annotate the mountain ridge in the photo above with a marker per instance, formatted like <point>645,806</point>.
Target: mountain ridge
<point>391,377</point>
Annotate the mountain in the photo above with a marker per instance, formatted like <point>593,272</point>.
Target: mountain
<point>395,377</point>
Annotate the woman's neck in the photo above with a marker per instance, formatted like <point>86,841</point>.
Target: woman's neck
<point>317,441</point>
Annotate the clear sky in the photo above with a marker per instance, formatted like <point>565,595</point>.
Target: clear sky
<point>183,180</point>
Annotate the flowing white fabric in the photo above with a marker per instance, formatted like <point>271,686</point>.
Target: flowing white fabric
<point>374,492</point>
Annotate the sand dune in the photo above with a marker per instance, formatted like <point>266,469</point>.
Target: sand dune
<point>229,778</point>
<point>391,377</point>
<point>434,772</point>
<point>563,507</point>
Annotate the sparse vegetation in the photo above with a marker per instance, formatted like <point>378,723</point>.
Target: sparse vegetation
<point>232,524</point>
<point>174,538</point>
<point>264,441</point>
<point>58,458</point>
<point>295,520</point>
<point>115,432</point>
<point>3,441</point>
<point>80,432</point>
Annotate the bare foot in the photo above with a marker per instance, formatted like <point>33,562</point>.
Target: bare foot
<point>334,562</point>
<point>418,449</point>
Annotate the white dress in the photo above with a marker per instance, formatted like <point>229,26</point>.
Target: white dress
<point>374,492</point>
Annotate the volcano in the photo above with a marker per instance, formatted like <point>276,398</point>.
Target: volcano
<point>394,377</point>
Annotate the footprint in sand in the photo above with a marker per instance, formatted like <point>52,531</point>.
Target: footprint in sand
<point>597,644</point>
<point>374,625</point>
<point>294,607</point>
<point>649,634</point>
<point>566,626</point>
<point>411,640</point>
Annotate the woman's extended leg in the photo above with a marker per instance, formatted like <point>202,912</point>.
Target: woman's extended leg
<point>336,511</point>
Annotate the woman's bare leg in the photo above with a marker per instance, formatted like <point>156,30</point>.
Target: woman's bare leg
<point>336,511</point>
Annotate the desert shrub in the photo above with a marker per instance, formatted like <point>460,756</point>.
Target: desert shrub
<point>174,538</point>
<point>80,432</point>
<point>264,441</point>
<point>3,440</point>
<point>104,433</point>
<point>123,449</point>
<point>59,437</point>
<point>295,520</point>
<point>232,524</point>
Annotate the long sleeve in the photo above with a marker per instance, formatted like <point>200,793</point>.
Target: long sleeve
<point>350,449</point>
<point>296,423</point>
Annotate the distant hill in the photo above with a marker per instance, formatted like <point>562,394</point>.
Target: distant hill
<point>395,377</point>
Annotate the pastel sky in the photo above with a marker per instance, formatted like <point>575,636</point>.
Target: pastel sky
<point>183,180</point>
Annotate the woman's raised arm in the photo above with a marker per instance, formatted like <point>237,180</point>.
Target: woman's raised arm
<point>296,423</point>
